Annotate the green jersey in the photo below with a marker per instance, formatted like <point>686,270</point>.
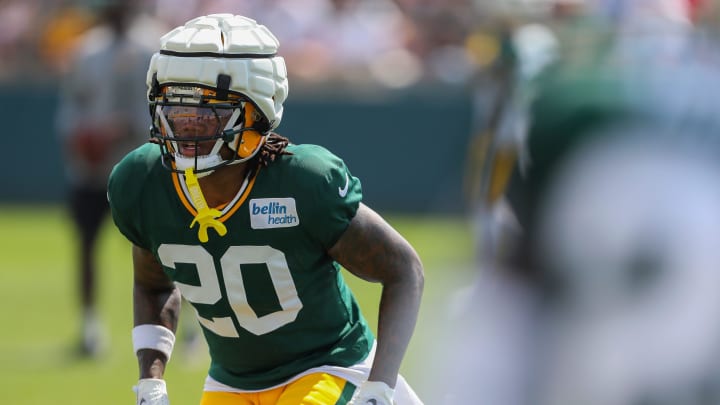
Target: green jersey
<point>271,301</point>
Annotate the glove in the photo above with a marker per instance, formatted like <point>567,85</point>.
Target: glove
<point>151,391</point>
<point>373,393</point>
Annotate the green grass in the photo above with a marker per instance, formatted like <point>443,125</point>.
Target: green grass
<point>40,319</point>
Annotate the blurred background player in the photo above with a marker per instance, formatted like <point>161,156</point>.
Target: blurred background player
<point>623,218</point>
<point>101,116</point>
<point>605,289</point>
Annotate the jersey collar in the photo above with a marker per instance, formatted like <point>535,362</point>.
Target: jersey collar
<point>228,209</point>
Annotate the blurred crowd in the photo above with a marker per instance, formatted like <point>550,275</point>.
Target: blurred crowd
<point>384,41</point>
<point>394,43</point>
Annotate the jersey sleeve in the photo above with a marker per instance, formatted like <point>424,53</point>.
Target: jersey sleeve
<point>333,197</point>
<point>124,193</point>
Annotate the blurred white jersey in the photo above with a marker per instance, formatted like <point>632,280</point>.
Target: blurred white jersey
<point>632,231</point>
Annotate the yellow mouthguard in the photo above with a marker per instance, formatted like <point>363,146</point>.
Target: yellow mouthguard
<point>206,216</point>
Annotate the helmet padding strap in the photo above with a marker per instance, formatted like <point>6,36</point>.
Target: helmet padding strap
<point>223,86</point>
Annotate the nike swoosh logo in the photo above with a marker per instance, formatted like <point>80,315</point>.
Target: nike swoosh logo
<point>343,191</point>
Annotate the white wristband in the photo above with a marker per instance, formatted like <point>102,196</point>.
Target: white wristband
<point>154,337</point>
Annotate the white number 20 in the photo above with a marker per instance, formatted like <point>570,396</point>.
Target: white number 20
<point>209,292</point>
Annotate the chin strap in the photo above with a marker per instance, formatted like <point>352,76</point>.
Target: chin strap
<point>206,216</point>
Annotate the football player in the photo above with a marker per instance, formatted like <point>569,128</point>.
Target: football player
<point>608,293</point>
<point>252,230</point>
<point>98,122</point>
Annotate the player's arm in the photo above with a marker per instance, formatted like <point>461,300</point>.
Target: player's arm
<point>156,307</point>
<point>372,250</point>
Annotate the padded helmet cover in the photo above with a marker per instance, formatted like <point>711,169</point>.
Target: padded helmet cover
<point>221,45</point>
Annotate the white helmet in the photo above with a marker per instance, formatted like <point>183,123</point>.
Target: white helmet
<point>224,67</point>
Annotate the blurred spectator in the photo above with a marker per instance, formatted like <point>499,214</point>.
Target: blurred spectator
<point>350,41</point>
<point>439,31</point>
<point>102,115</point>
<point>61,34</point>
<point>18,38</point>
<point>657,29</point>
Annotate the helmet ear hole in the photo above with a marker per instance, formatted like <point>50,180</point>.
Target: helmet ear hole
<point>249,142</point>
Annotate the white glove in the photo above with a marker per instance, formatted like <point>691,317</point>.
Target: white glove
<point>373,393</point>
<point>151,391</point>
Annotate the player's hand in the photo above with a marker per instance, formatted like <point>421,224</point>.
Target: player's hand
<point>373,393</point>
<point>151,391</point>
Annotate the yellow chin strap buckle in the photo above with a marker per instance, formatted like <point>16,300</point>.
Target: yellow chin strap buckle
<point>206,216</point>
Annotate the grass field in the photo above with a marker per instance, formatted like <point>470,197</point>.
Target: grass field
<point>39,317</point>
